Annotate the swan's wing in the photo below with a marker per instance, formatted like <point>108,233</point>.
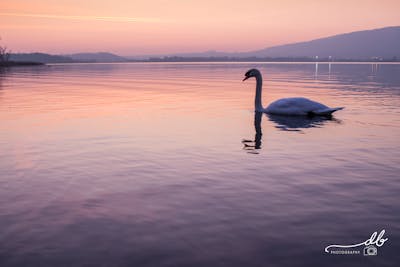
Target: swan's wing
<point>326,111</point>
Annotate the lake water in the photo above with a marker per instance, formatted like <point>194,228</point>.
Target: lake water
<point>152,165</point>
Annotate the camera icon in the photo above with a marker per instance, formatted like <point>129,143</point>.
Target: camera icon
<point>370,251</point>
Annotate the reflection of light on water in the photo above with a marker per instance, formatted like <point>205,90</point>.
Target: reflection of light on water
<point>374,68</point>
<point>329,70</point>
<point>316,70</point>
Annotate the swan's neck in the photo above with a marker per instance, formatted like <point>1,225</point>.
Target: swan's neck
<point>257,101</point>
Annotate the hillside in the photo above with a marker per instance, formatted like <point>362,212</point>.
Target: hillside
<point>382,43</point>
<point>97,57</point>
<point>39,57</point>
<point>361,45</point>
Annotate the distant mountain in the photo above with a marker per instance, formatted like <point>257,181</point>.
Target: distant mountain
<point>39,57</point>
<point>97,57</point>
<point>80,57</point>
<point>210,53</point>
<point>361,45</point>
<point>205,54</point>
<point>381,43</point>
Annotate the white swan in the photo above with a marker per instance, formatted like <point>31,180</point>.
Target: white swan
<point>288,106</point>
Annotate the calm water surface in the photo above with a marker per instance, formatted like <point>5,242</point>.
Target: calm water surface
<point>153,165</point>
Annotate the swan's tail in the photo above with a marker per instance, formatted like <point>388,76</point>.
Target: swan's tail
<point>326,111</point>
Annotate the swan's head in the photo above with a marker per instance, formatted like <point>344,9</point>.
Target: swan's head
<point>251,73</point>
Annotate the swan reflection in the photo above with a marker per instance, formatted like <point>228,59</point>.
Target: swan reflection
<point>253,145</point>
<point>284,123</point>
<point>297,123</point>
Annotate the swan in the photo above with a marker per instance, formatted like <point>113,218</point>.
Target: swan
<point>288,106</point>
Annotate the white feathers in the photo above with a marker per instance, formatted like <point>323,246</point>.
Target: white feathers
<point>298,106</point>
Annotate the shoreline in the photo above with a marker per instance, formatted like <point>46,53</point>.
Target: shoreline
<point>230,62</point>
<point>19,63</point>
<point>28,63</point>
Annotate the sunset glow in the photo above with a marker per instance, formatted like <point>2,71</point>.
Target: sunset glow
<point>159,26</point>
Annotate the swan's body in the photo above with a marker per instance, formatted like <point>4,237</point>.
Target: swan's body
<point>288,106</point>
<point>298,106</point>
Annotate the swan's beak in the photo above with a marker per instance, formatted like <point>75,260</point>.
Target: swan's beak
<point>245,78</point>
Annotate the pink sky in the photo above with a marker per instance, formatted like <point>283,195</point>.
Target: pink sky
<point>130,27</point>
